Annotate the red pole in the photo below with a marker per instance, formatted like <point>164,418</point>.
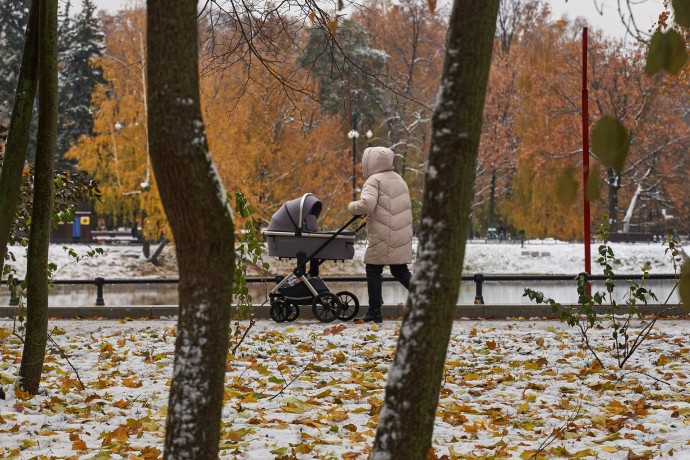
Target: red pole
<point>585,159</point>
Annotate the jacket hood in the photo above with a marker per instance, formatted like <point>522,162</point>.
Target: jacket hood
<point>376,160</point>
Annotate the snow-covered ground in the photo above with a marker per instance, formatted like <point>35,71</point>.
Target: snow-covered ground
<point>306,390</point>
<point>536,257</point>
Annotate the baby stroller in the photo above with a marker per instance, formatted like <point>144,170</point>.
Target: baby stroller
<point>294,234</point>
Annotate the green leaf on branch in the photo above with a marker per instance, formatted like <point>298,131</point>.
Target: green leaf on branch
<point>666,51</point>
<point>610,142</point>
<point>566,188</point>
<point>681,8</point>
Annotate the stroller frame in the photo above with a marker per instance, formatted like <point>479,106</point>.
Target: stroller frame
<point>326,306</point>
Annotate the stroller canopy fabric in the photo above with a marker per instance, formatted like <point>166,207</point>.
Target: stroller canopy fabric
<point>297,215</point>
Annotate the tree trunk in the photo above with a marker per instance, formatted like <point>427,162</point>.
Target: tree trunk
<point>42,210</point>
<point>156,254</point>
<point>631,208</point>
<point>407,419</point>
<point>201,221</point>
<point>18,135</point>
<point>614,184</point>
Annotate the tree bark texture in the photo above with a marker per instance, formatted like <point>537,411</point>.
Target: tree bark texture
<point>407,419</point>
<point>613,183</point>
<point>42,207</point>
<point>201,221</point>
<point>18,135</point>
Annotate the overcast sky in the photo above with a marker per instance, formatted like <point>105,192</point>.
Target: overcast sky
<point>646,12</point>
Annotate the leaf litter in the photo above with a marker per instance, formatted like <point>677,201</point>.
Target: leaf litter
<point>519,389</point>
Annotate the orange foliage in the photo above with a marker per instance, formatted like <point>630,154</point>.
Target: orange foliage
<point>275,143</point>
<point>272,147</point>
<point>550,132</point>
<point>116,154</point>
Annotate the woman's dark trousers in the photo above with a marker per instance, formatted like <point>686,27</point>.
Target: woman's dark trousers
<point>374,276</point>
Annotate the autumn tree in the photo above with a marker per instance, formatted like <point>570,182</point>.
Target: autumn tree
<point>550,127</point>
<point>407,419</point>
<point>116,154</point>
<point>195,203</point>
<point>259,134</point>
<point>497,161</point>
<point>36,336</point>
<point>412,37</point>
<point>258,129</point>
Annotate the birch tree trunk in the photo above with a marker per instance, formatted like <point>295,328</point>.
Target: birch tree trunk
<point>18,135</point>
<point>407,419</point>
<point>201,221</point>
<point>633,202</point>
<point>42,208</point>
<point>631,209</point>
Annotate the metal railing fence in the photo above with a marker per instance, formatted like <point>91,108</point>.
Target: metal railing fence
<point>478,278</point>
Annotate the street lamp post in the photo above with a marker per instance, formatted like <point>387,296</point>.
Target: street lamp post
<point>353,134</point>
<point>118,126</point>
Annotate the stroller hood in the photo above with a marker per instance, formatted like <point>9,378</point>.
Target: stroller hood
<point>297,215</point>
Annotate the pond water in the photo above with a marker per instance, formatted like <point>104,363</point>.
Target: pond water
<point>494,292</point>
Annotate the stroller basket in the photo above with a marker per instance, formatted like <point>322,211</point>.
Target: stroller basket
<point>300,294</point>
<point>293,230</point>
<point>286,244</point>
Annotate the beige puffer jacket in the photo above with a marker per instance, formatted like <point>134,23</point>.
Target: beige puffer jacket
<point>385,199</point>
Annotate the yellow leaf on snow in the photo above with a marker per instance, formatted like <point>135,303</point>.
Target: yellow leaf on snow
<point>250,398</point>
<point>120,434</point>
<point>338,416</point>
<point>598,420</point>
<point>131,383</point>
<point>121,404</point>
<point>532,366</point>
<point>311,422</point>
<point>584,453</point>
<point>147,453</point>
<point>324,393</point>
<point>79,445</point>
<point>616,407</point>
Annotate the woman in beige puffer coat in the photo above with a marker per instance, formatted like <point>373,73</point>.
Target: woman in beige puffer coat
<point>385,199</point>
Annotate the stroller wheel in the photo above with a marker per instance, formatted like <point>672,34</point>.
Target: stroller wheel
<point>279,311</point>
<point>293,313</point>
<point>350,305</point>
<point>326,307</point>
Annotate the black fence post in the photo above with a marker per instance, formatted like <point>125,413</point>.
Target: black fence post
<point>478,280</point>
<point>100,282</point>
